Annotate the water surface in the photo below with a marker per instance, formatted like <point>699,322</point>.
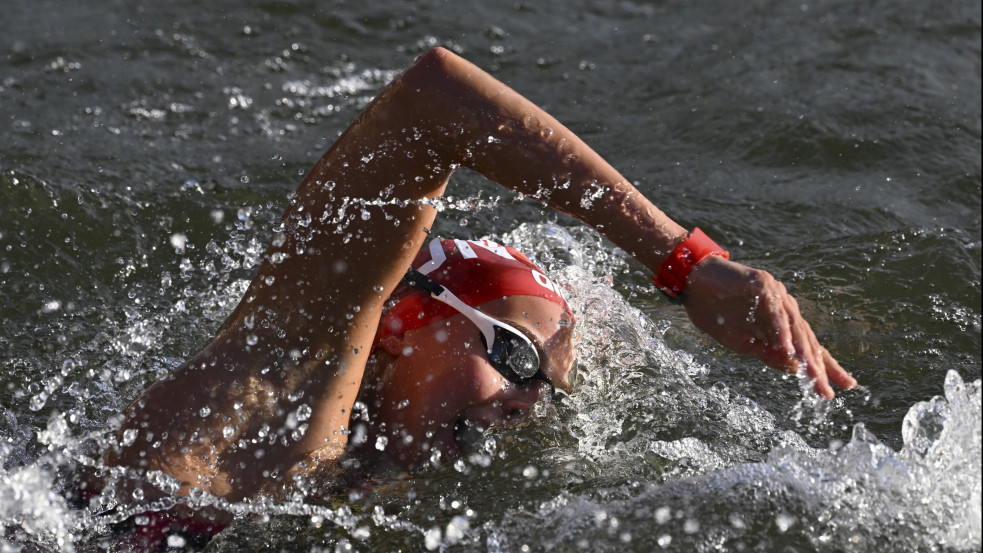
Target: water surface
<point>146,150</point>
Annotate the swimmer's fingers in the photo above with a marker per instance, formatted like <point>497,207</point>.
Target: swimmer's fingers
<point>793,345</point>
<point>837,374</point>
<point>821,367</point>
<point>809,353</point>
<point>750,312</point>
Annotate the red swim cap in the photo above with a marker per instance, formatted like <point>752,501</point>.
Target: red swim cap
<point>474,271</point>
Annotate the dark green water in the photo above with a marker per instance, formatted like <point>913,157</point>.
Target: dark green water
<point>836,144</point>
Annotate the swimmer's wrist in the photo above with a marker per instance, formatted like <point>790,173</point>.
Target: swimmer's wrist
<point>674,272</point>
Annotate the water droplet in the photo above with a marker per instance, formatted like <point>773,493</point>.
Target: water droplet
<point>179,241</point>
<point>431,538</point>
<point>162,481</point>
<point>129,436</point>
<point>297,434</point>
<point>784,521</point>
<point>456,529</point>
<point>37,402</point>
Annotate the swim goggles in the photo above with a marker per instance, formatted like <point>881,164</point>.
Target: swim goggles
<point>510,352</point>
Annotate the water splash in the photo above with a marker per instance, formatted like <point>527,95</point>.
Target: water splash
<point>644,456</point>
<point>863,497</point>
<point>31,509</point>
<point>669,465</point>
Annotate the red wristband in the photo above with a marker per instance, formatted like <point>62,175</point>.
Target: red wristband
<point>672,274</point>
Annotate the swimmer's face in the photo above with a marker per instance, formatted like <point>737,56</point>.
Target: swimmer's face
<point>435,391</point>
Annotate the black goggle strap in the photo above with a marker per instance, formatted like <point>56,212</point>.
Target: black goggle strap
<point>484,323</point>
<point>419,280</point>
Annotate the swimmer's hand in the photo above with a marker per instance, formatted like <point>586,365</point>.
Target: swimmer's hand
<point>750,312</point>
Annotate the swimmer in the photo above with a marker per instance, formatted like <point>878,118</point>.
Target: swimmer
<point>474,336</point>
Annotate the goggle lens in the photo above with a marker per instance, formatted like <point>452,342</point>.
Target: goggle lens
<point>512,354</point>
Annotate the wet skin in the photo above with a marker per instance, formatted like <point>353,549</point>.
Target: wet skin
<point>433,389</point>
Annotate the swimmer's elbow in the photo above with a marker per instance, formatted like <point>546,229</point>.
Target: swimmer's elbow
<point>437,58</point>
<point>436,53</point>
<point>433,67</point>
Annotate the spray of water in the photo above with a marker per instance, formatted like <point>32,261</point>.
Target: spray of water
<point>642,456</point>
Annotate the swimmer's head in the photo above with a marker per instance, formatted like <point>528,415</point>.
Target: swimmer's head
<point>432,386</point>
